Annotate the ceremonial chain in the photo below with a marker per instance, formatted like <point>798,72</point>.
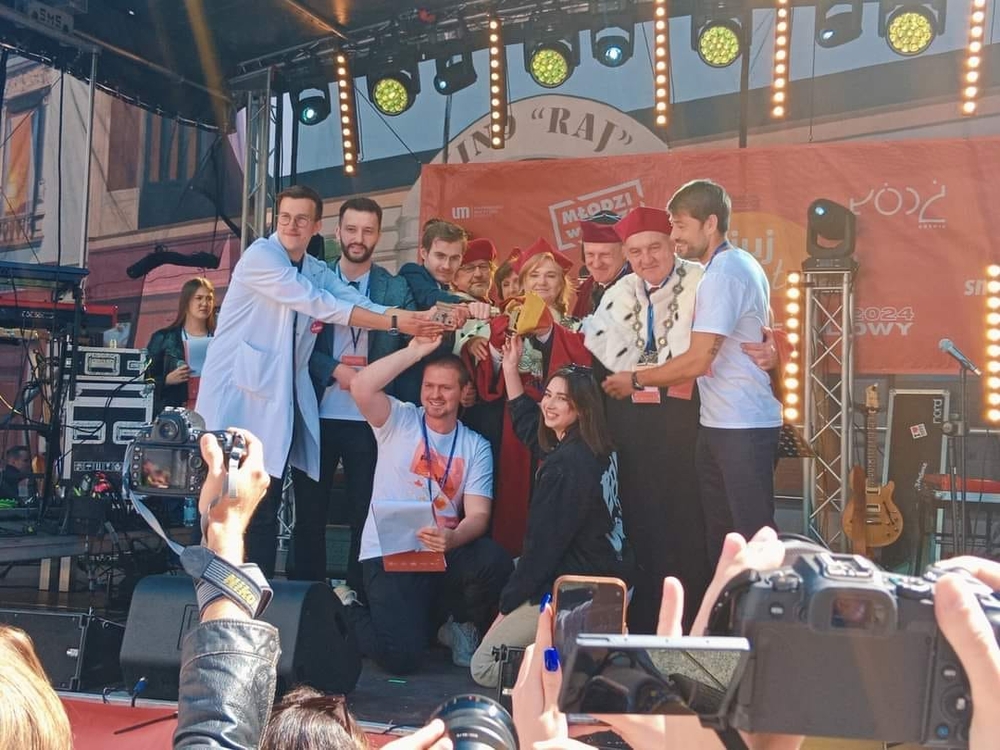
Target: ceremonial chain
<point>673,307</point>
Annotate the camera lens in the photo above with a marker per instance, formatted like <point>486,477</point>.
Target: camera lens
<point>475,722</point>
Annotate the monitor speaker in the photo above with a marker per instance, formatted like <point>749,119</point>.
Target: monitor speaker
<point>318,646</point>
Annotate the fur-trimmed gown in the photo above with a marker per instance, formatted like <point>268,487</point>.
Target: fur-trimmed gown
<point>658,484</point>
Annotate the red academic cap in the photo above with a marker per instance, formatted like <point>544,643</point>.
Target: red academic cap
<point>540,247</point>
<point>591,231</point>
<point>643,219</point>
<point>479,249</point>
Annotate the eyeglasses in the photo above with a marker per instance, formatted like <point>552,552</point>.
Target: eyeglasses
<point>301,221</point>
<point>575,369</point>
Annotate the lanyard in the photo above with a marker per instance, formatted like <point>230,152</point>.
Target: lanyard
<point>650,334</point>
<point>719,249</point>
<point>355,332</point>
<point>427,458</point>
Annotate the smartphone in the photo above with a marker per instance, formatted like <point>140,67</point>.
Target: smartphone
<point>586,604</point>
<point>644,674</point>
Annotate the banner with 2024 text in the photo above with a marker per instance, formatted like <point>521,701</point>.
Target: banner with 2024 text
<point>923,210</point>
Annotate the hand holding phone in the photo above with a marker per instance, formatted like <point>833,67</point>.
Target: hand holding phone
<point>586,604</point>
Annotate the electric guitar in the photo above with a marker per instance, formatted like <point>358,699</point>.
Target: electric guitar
<point>871,519</point>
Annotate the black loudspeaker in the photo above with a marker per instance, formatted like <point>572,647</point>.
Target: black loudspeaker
<point>78,651</point>
<point>318,646</point>
<point>914,438</point>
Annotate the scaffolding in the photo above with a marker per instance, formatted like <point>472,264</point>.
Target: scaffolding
<point>828,362</point>
<point>258,188</point>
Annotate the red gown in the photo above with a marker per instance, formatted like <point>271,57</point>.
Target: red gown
<point>516,469</point>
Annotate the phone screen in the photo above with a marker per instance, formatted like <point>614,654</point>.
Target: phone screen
<point>650,675</point>
<point>587,606</point>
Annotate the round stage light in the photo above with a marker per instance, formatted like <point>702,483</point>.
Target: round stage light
<point>613,51</point>
<point>391,96</point>
<point>549,65</point>
<point>311,110</point>
<point>719,44</point>
<point>910,31</point>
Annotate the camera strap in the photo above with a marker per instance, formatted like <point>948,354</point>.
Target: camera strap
<point>731,739</point>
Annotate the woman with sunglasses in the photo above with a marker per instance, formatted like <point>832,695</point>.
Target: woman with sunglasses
<point>574,519</point>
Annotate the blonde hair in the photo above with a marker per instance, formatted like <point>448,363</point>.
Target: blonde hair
<point>31,715</point>
<point>562,298</point>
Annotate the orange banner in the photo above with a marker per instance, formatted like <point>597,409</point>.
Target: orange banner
<point>922,223</point>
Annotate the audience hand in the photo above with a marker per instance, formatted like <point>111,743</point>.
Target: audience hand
<point>765,353</point>
<point>618,385</point>
<point>179,375</point>
<point>424,345</point>
<point>478,348</point>
<point>970,634</point>
<point>436,539</point>
<point>430,737</point>
<point>536,693</point>
<point>513,348</point>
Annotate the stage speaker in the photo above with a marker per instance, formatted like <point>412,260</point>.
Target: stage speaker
<point>78,651</point>
<point>914,438</point>
<point>318,646</point>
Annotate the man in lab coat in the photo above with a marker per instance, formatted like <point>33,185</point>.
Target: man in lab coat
<point>256,373</point>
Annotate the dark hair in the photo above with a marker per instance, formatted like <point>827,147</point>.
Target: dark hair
<point>363,204</point>
<point>14,450</point>
<point>439,229</point>
<point>296,192</point>
<point>190,288</point>
<point>585,396</point>
<point>306,719</point>
<point>701,199</point>
<point>451,362</point>
<point>506,269</point>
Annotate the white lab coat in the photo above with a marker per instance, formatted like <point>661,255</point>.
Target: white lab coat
<point>247,378</point>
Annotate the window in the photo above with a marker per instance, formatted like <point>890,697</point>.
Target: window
<point>19,223</point>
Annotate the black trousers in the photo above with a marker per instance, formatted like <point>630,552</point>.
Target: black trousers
<point>261,537</point>
<point>353,443</point>
<point>736,478</point>
<point>405,609</point>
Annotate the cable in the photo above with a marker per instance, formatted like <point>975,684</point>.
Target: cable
<point>391,129</point>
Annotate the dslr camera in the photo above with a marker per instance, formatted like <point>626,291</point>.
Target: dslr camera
<point>165,457</point>
<point>841,648</point>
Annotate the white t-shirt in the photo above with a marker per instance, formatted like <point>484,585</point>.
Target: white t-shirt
<point>732,301</point>
<point>402,473</point>
<point>348,343</point>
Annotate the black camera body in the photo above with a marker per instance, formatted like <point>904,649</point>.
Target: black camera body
<point>165,457</point>
<point>843,649</point>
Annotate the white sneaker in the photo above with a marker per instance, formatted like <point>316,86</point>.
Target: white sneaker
<point>462,638</point>
<point>346,594</point>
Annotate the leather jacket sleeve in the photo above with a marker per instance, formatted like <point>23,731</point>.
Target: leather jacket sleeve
<point>227,684</point>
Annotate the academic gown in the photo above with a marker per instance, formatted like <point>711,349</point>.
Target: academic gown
<point>516,468</point>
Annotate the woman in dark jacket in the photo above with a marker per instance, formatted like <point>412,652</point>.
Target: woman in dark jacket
<point>177,352</point>
<point>574,519</point>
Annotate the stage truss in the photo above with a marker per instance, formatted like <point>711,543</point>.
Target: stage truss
<point>828,360</point>
<point>258,188</point>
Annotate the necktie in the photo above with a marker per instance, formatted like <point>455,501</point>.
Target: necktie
<point>595,295</point>
<point>355,284</point>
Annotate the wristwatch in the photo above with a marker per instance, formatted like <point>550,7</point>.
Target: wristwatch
<point>636,385</point>
<point>393,326</point>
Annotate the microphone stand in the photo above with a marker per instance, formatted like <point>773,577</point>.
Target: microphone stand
<point>955,429</point>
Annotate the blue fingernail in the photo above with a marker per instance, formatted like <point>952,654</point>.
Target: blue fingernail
<point>546,599</point>
<point>551,660</point>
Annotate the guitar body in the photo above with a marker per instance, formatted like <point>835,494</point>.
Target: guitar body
<point>871,518</point>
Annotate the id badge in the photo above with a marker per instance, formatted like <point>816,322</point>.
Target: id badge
<point>682,390</point>
<point>648,395</point>
<point>356,361</point>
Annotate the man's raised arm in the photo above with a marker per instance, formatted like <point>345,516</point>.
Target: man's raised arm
<point>368,386</point>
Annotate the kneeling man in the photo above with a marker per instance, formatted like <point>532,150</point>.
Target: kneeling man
<point>425,454</point>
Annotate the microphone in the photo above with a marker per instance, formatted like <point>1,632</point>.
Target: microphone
<point>951,350</point>
<point>163,257</point>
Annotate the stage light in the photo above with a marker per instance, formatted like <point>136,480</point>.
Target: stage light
<point>393,83</point>
<point>348,114</point>
<point>719,43</point>
<point>992,336</point>
<point>792,382</point>
<point>612,45</point>
<point>830,229</point>
<point>909,28</point>
<point>971,85</point>
<point>612,51</point>
<point>661,64</point>
<point>498,84</point>
<point>838,22</point>
<point>779,65</point>
<point>551,56</point>
<point>311,110</point>
<point>454,73</point>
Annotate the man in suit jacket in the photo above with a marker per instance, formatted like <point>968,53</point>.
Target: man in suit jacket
<point>345,436</point>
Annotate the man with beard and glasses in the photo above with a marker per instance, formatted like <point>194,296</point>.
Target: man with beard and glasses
<point>345,436</point>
